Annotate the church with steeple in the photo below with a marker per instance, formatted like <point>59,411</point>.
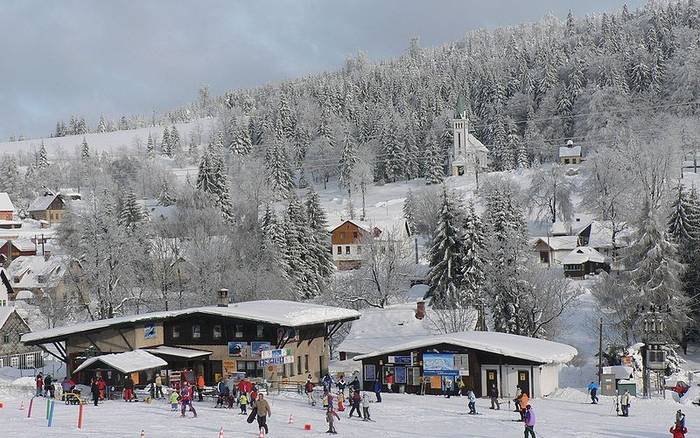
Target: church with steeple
<point>468,155</point>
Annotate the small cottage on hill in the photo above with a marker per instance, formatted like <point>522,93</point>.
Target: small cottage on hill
<point>347,241</point>
<point>49,207</point>
<point>7,209</point>
<point>570,154</point>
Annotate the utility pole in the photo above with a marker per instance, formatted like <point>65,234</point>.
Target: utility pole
<point>600,351</point>
<point>415,240</point>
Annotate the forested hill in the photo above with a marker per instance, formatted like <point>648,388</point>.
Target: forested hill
<point>595,80</point>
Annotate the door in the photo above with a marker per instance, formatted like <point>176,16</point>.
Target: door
<point>524,381</point>
<point>491,379</point>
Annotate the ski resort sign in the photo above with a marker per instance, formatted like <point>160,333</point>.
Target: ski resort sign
<point>439,364</point>
<point>278,356</point>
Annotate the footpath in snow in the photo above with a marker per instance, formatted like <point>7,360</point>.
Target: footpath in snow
<point>567,414</point>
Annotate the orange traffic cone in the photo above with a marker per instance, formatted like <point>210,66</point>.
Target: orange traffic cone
<point>291,419</point>
<point>221,433</point>
<point>21,405</point>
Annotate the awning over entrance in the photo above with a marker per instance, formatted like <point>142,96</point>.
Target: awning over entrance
<point>185,353</point>
<point>128,362</point>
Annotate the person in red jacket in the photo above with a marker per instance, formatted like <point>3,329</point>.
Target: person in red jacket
<point>678,431</point>
<point>39,385</point>
<point>102,387</point>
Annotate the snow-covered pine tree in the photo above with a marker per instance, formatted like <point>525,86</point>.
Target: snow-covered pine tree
<point>409,211</point>
<point>279,173</point>
<point>347,162</point>
<point>102,125</point>
<point>322,262</point>
<point>11,182</point>
<point>473,276</point>
<point>165,198</point>
<point>241,144</point>
<point>656,272</point>
<point>84,151</point>
<point>434,171</point>
<point>130,215</point>
<point>42,161</point>
<point>393,151</point>
<point>297,255</point>
<point>150,146</point>
<point>211,178</point>
<point>445,255</point>
<point>175,142</point>
<point>165,143</point>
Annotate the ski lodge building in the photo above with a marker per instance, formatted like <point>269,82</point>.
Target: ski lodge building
<point>347,240</point>
<point>212,341</point>
<point>479,359</point>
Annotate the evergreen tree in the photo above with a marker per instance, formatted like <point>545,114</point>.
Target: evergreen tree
<point>434,171</point>
<point>165,198</point>
<point>11,182</point>
<point>445,255</point>
<point>321,259</point>
<point>42,160</point>
<point>175,142</point>
<point>394,157</point>
<point>241,144</point>
<point>150,146</point>
<point>166,144</point>
<point>409,211</point>
<point>130,215</point>
<point>102,125</point>
<point>279,173</point>
<point>473,264</point>
<point>348,160</point>
<point>84,151</point>
<point>297,255</point>
<point>212,179</point>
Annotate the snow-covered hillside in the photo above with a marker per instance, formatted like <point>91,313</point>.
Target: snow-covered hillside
<point>110,142</point>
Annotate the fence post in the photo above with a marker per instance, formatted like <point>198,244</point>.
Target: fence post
<point>80,416</point>
<point>31,404</point>
<point>48,406</point>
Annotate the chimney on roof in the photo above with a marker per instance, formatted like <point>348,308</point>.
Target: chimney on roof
<point>420,310</point>
<point>222,298</point>
<point>570,143</point>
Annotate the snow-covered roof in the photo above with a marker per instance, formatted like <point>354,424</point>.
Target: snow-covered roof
<point>24,295</point>
<point>475,144</point>
<point>382,328</point>
<point>37,271</point>
<point>569,151</point>
<point>366,226</point>
<point>560,229</point>
<point>6,312</point>
<point>283,313</point>
<point>583,254</point>
<point>128,362</point>
<point>600,235</point>
<point>521,347</point>
<point>23,245</point>
<point>6,203</point>
<point>558,243</point>
<point>41,203</point>
<point>187,353</point>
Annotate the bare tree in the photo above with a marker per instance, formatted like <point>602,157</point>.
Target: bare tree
<point>550,194</point>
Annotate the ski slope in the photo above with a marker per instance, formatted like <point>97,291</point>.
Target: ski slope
<point>566,414</point>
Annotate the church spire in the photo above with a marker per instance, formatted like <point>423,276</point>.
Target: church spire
<point>461,108</point>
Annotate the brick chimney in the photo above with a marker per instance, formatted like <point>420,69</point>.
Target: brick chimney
<point>222,298</point>
<point>420,310</point>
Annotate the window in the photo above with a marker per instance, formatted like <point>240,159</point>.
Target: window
<point>14,361</point>
<point>299,370</point>
<point>544,257</point>
<point>347,250</point>
<point>414,376</point>
<point>306,362</point>
<point>260,330</point>
<point>216,332</point>
<point>370,373</point>
<point>249,367</point>
<point>566,161</point>
<point>176,332</point>
<point>196,331</point>
<point>339,250</point>
<point>239,331</point>
<point>354,234</point>
<point>29,361</point>
<point>6,339</point>
<point>359,249</point>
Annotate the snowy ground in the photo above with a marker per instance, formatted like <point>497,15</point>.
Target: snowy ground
<point>567,414</point>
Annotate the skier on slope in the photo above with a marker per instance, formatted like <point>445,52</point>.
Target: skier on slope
<point>529,422</point>
<point>472,402</point>
<point>678,431</point>
<point>625,403</point>
<point>186,395</point>
<point>593,390</point>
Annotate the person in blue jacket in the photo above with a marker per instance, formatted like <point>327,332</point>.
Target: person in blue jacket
<point>593,390</point>
<point>378,390</point>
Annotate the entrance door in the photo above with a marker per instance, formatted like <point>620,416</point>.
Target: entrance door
<point>491,379</point>
<point>524,381</point>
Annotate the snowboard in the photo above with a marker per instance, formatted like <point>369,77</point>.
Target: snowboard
<point>252,415</point>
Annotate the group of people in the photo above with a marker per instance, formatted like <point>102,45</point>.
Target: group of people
<point>359,401</point>
<point>622,404</point>
<point>44,386</point>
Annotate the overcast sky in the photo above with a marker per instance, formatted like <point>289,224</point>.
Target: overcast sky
<point>114,57</point>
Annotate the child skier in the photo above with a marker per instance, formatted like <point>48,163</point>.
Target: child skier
<point>186,396</point>
<point>355,404</point>
<point>529,421</point>
<point>174,397</point>
<point>331,415</point>
<point>678,431</point>
<point>472,402</point>
<point>243,403</point>
<point>365,407</point>
<point>341,401</point>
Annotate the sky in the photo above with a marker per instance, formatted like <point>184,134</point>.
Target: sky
<point>86,57</point>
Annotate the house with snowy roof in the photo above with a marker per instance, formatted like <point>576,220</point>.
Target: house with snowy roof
<point>468,155</point>
<point>12,326</point>
<point>17,248</point>
<point>49,207</point>
<point>39,274</point>
<point>348,242</point>
<point>479,359</point>
<point>7,209</point>
<point>552,249</point>
<point>211,340</point>
<point>583,261</point>
<point>603,236</point>
<point>570,154</point>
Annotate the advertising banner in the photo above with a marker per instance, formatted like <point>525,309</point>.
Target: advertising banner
<point>439,364</point>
